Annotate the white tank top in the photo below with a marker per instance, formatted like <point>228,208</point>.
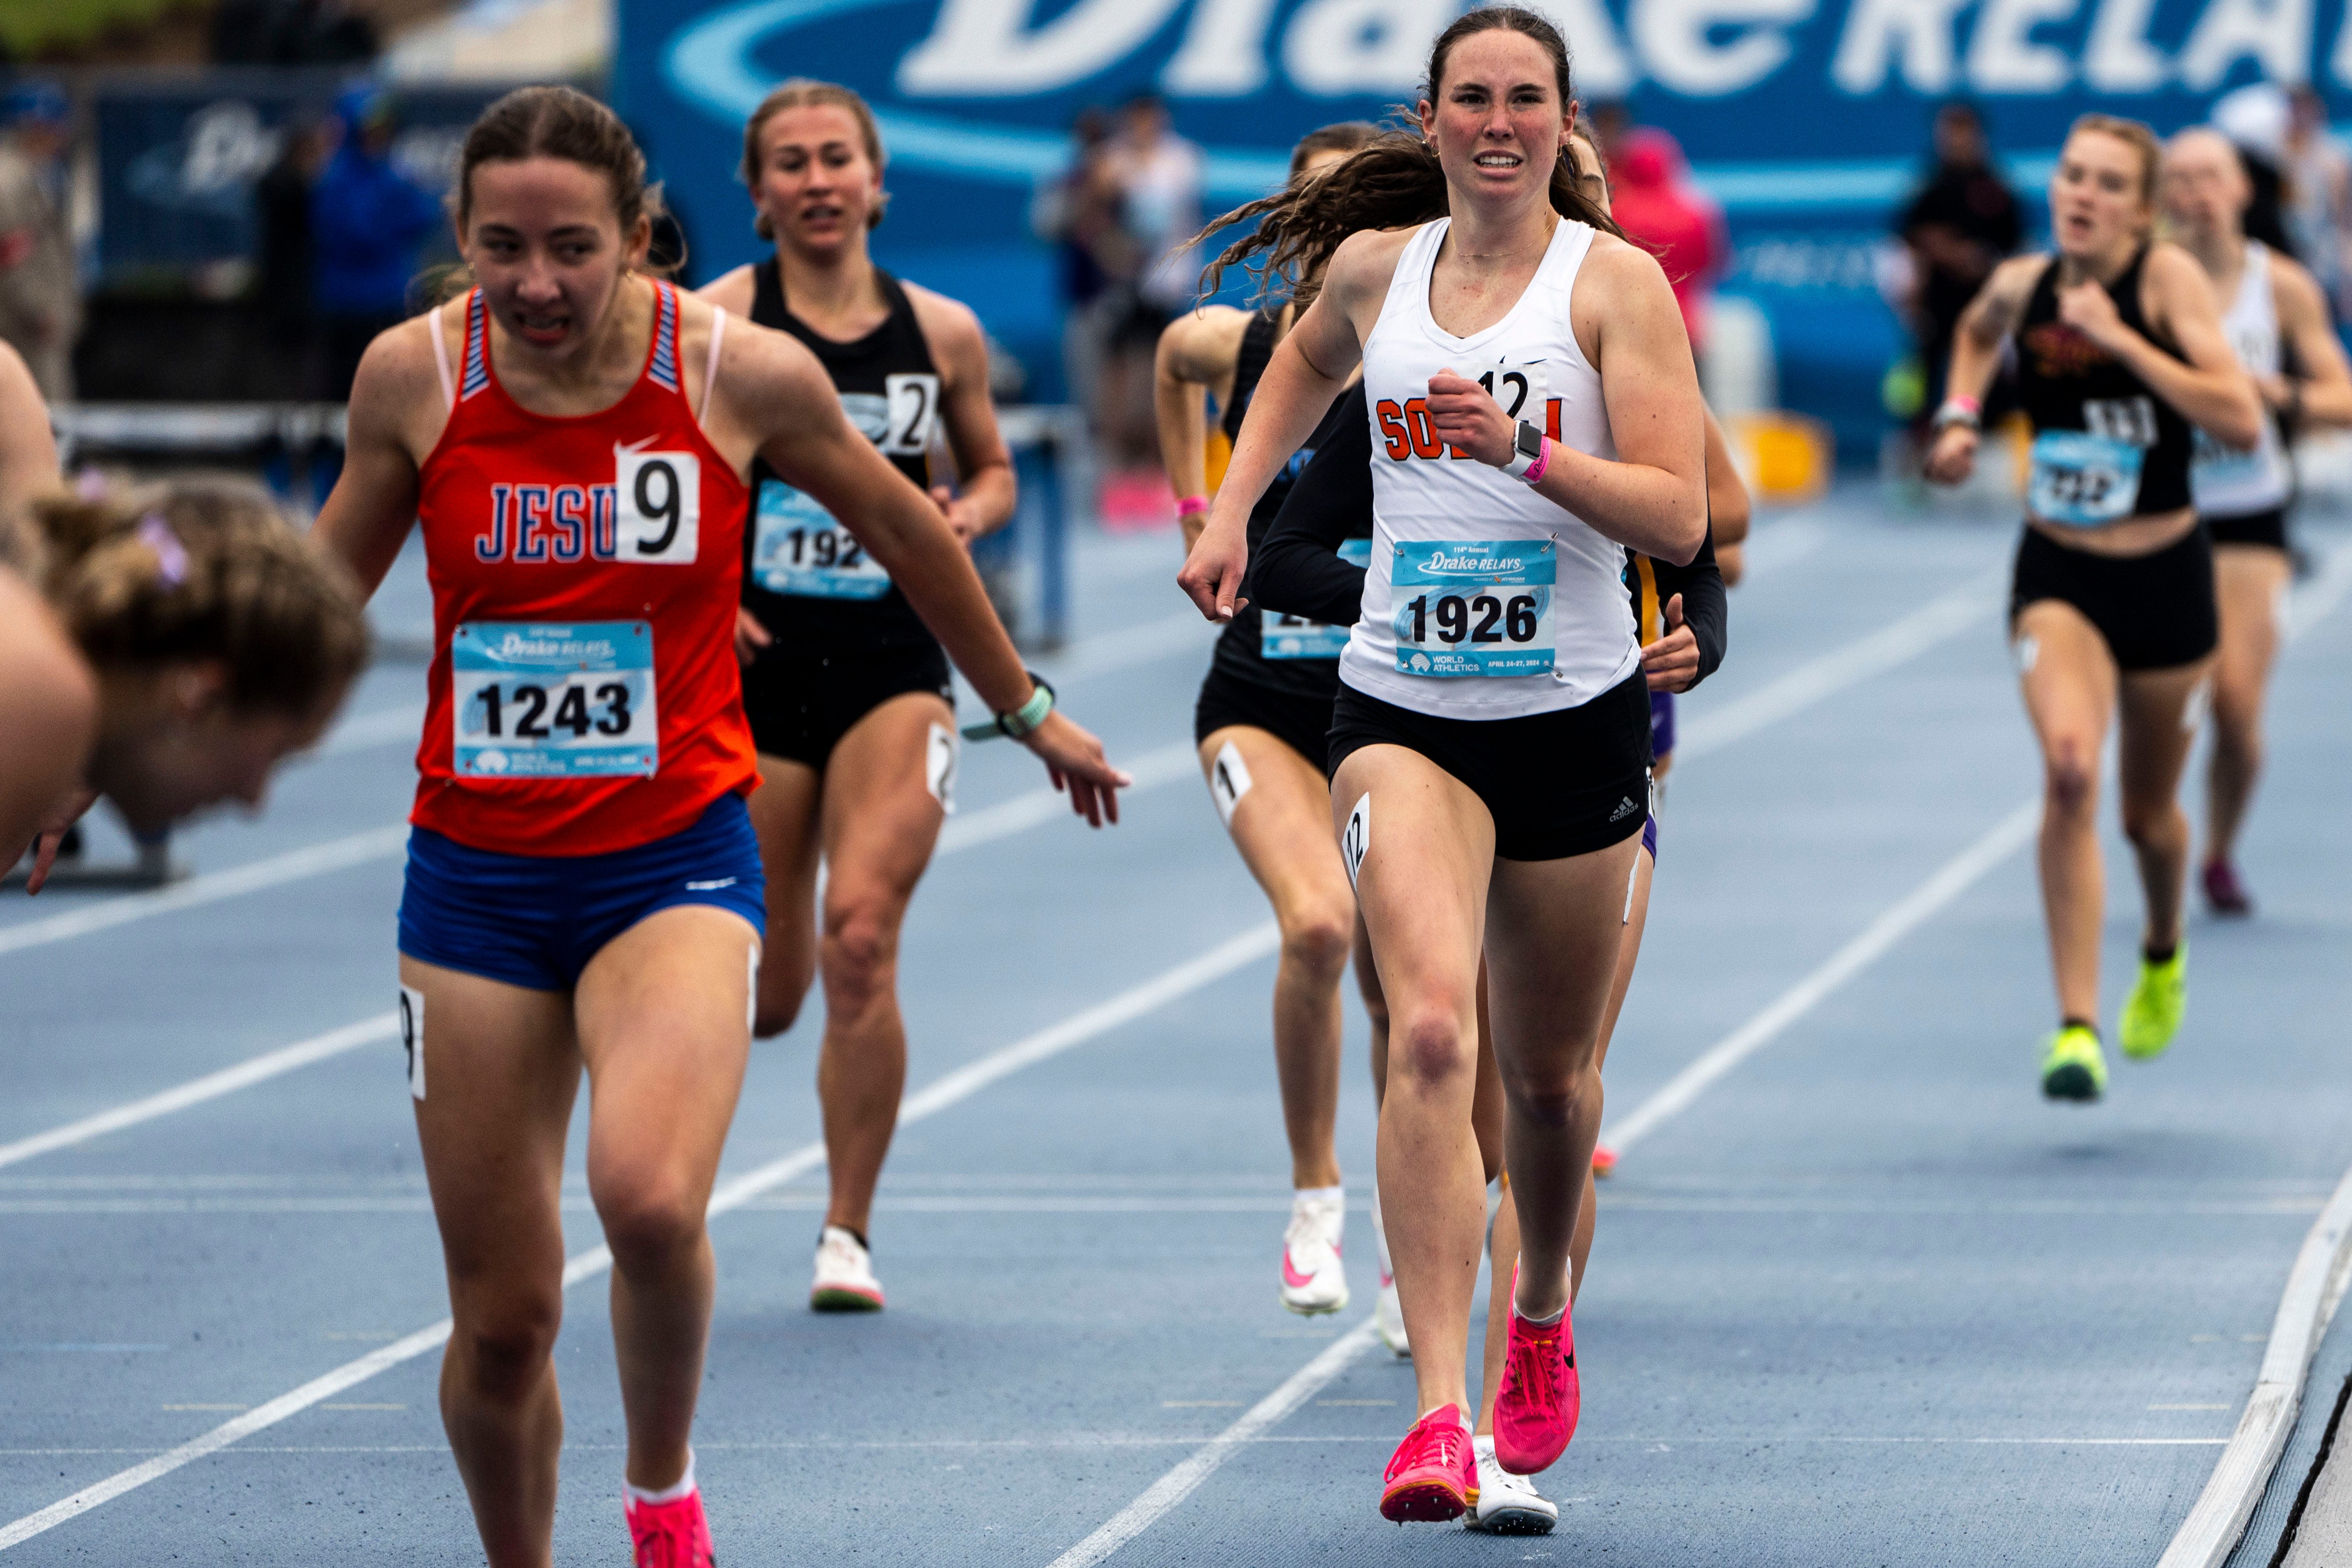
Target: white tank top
<point>1484,600</point>
<point>2228,482</point>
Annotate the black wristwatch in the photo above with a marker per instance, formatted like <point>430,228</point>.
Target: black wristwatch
<point>1527,446</point>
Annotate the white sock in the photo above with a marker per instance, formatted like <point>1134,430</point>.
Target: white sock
<point>668,1494</point>
<point>1319,1195</point>
<point>1540,1322</point>
<point>1380,1236</point>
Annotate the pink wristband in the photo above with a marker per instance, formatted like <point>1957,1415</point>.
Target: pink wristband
<point>1543,461</point>
<point>1970,404</point>
<point>1188,506</point>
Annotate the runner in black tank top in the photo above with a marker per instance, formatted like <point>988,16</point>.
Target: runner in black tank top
<point>847,693</point>
<point>2119,352</point>
<point>1260,726</point>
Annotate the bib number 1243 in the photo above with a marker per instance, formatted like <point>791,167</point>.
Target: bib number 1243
<point>533,700</point>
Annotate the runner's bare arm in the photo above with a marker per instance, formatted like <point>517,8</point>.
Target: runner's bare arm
<point>395,400</point>
<point>1991,317</point>
<point>774,390</point>
<point>48,711</point>
<point>1310,368</point>
<point>1729,509</point>
<point>1652,495</point>
<point>2213,390</point>
<point>1197,351</point>
<point>28,453</point>
<point>986,492</point>
<point>2322,395</point>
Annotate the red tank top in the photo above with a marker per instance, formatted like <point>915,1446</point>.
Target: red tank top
<point>584,695</point>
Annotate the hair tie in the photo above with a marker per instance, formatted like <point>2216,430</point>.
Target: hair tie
<point>171,556</point>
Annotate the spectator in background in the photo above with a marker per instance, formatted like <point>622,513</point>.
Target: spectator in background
<point>40,297</point>
<point>2319,197</point>
<point>1157,178</point>
<point>1661,211</point>
<point>1962,221</point>
<point>2255,118</point>
<point>367,222</point>
<point>1077,212</point>
<point>284,276</point>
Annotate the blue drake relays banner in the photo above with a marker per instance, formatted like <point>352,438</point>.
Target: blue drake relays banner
<point>1807,119</point>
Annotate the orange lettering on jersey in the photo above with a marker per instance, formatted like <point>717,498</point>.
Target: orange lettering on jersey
<point>1551,418</point>
<point>1392,419</point>
<point>1417,425</point>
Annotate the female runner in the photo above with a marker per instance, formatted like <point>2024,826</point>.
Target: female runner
<point>847,688</point>
<point>2274,315</point>
<point>1261,726</point>
<point>584,888</point>
<point>1491,735</point>
<point>164,648</point>
<point>2119,352</point>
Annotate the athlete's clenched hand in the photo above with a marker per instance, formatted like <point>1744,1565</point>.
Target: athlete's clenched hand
<point>1672,662</point>
<point>1467,417</point>
<point>1075,761</point>
<point>1211,574</point>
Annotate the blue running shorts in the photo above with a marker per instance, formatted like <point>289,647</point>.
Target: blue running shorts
<point>535,921</point>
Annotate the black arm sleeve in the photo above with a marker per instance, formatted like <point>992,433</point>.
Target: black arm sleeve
<point>1296,569</point>
<point>1705,609</point>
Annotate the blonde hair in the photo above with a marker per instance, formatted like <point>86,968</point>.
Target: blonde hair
<point>2133,133</point>
<point>801,92</point>
<point>199,570</point>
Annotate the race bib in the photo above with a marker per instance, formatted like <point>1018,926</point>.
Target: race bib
<point>1295,636</point>
<point>1474,606</point>
<point>799,548</point>
<point>659,499</point>
<point>2082,479</point>
<point>532,700</point>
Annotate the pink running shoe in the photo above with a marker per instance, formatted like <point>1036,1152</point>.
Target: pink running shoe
<point>2225,891</point>
<point>669,1534</point>
<point>1433,1476</point>
<point>1534,1412</point>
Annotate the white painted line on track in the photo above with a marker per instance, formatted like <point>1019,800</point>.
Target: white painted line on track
<point>317,859</point>
<point>1233,953</point>
<point>1038,806</point>
<point>212,1086</point>
<point>2314,1290</point>
<point>1204,1462</point>
<point>1922,903</point>
<point>1842,667</point>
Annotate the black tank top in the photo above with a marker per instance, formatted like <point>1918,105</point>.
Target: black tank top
<point>1306,656</point>
<point>805,576</point>
<point>2121,450</point>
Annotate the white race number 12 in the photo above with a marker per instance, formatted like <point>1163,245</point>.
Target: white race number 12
<point>659,497</point>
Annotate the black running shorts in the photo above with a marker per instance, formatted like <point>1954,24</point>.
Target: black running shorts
<point>2156,611</point>
<point>801,701</point>
<point>1302,723</point>
<point>1560,784</point>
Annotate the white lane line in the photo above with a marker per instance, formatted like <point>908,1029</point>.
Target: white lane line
<point>1922,903</point>
<point>1180,1482</point>
<point>212,1086</point>
<point>2314,1290</point>
<point>1842,667</point>
<point>1039,806</point>
<point>318,859</point>
<point>1233,953</point>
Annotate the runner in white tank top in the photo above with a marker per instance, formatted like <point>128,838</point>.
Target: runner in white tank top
<point>2274,316</point>
<point>1492,718</point>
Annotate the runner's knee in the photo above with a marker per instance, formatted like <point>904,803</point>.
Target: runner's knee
<point>650,1220</point>
<point>505,1335</point>
<point>1549,1097</point>
<point>2148,823</point>
<point>1429,1047</point>
<point>1316,937</point>
<point>861,948</point>
<point>2070,775</point>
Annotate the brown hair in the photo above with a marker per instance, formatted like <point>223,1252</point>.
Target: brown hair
<point>801,93</point>
<point>2138,135</point>
<point>1394,182</point>
<point>1346,136</point>
<point>202,570</point>
<point>560,123</point>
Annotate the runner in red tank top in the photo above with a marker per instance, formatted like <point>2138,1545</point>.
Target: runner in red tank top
<point>584,888</point>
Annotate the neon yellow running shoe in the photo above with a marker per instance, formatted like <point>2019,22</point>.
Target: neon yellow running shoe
<point>2074,1068</point>
<point>2152,1012</point>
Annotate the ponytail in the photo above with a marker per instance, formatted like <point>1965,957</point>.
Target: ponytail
<point>200,570</point>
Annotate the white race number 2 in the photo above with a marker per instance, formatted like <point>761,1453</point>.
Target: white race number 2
<point>659,497</point>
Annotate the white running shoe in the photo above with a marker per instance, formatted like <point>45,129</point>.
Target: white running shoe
<point>1312,1279</point>
<point>844,1274</point>
<point>1388,1312</point>
<point>1507,1504</point>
